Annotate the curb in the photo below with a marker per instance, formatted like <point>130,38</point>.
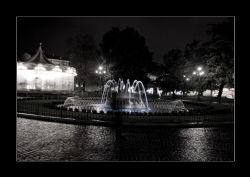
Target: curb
<point>125,124</point>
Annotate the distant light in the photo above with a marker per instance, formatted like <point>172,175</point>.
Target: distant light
<point>150,90</point>
<point>201,73</point>
<point>21,66</point>
<point>100,67</point>
<point>96,71</point>
<point>40,67</point>
<point>184,76</point>
<point>56,68</point>
<point>199,68</point>
<point>104,71</point>
<point>194,73</point>
<point>187,79</point>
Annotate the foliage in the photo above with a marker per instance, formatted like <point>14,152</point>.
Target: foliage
<point>84,56</point>
<point>172,78</point>
<point>126,53</point>
<point>220,54</point>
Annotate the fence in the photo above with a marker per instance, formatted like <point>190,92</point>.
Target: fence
<point>48,108</point>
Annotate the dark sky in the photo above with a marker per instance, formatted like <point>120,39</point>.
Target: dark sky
<point>161,33</point>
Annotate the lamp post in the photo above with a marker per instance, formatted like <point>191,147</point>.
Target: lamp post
<point>187,79</point>
<point>198,73</point>
<point>100,71</point>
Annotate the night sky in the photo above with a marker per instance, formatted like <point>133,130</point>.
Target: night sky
<point>161,33</point>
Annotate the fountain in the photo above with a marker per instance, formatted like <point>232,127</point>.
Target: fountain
<point>124,97</point>
<point>118,96</point>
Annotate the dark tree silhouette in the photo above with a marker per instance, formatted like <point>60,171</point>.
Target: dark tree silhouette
<point>220,53</point>
<point>171,79</point>
<point>194,54</point>
<point>84,56</point>
<point>126,53</point>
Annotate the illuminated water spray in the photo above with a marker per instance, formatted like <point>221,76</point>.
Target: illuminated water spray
<point>131,98</point>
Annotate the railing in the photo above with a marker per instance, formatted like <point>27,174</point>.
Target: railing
<point>48,108</point>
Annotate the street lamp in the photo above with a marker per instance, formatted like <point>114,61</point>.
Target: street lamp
<point>199,72</point>
<point>100,72</point>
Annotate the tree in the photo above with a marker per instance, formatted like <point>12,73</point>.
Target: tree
<point>194,54</point>
<point>220,53</point>
<point>172,79</point>
<point>84,55</point>
<point>126,53</point>
<point>26,57</point>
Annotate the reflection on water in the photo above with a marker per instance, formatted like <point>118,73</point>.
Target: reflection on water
<point>47,141</point>
<point>195,144</point>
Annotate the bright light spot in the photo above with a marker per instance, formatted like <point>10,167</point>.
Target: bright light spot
<point>39,79</point>
<point>199,68</point>
<point>100,67</point>
<point>194,73</point>
<point>104,71</point>
<point>159,92</point>
<point>187,79</point>
<point>96,71</point>
<point>77,85</point>
<point>201,73</point>
<point>184,76</point>
<point>40,67</point>
<point>21,66</point>
<point>150,90</point>
<point>57,69</point>
<point>69,70</point>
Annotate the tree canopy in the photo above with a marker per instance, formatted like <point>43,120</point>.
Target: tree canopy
<point>84,56</point>
<point>126,53</point>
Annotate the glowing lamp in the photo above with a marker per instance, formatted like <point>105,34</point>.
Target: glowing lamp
<point>199,68</point>
<point>57,69</point>
<point>100,67</point>
<point>201,73</point>
<point>39,67</point>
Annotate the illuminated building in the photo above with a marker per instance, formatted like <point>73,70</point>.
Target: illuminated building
<point>42,74</point>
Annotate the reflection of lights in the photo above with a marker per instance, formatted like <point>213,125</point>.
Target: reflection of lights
<point>194,143</point>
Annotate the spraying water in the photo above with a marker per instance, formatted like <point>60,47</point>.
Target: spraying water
<point>128,98</point>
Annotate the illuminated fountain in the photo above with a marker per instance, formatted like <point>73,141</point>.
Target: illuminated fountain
<point>116,96</point>
<point>124,97</point>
